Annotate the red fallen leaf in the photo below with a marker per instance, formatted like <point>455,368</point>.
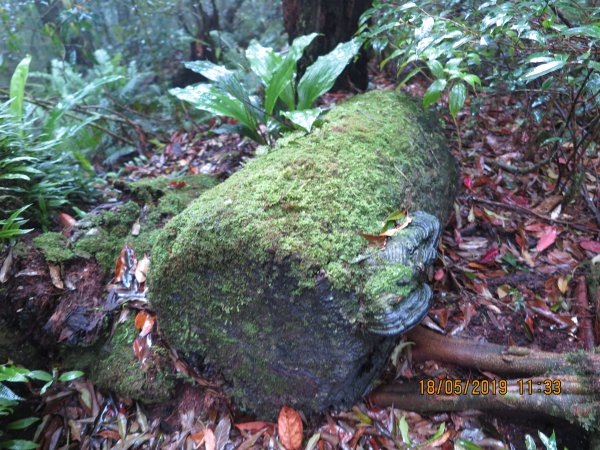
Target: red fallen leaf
<point>144,322</point>
<point>177,184</point>
<point>546,239</point>
<point>66,220</point>
<point>254,426</point>
<point>109,434</point>
<point>468,182</point>
<point>439,275</point>
<point>490,255</point>
<point>592,246</point>
<point>290,427</point>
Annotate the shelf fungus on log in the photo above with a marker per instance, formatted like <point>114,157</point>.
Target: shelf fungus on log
<point>266,277</point>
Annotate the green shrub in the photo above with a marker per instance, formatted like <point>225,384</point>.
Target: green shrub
<point>287,103</point>
<point>37,168</point>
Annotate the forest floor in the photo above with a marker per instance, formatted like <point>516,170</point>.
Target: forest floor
<point>511,259</point>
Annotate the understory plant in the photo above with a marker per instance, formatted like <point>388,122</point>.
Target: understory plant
<point>287,103</point>
<point>39,171</point>
<point>9,400</point>
<point>544,54</point>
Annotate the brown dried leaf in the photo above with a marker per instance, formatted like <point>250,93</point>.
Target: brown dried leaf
<point>290,427</point>
<point>142,269</point>
<point>144,322</point>
<point>6,266</point>
<point>55,275</point>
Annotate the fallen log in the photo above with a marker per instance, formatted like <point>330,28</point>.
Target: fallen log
<point>267,279</point>
<point>54,306</point>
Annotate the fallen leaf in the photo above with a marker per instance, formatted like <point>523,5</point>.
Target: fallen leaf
<point>142,269</point>
<point>490,255</point>
<point>468,182</point>
<point>439,275</point>
<point>144,322</point>
<point>592,246</point>
<point>135,228</point>
<point>289,425</point>
<point>6,266</point>
<point>66,220</point>
<point>254,426</point>
<point>547,239</point>
<point>222,433</point>
<point>376,239</point>
<point>563,284</point>
<point>209,439</point>
<point>55,275</point>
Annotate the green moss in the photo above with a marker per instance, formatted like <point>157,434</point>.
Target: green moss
<point>54,247</point>
<point>387,279</point>
<point>302,205</point>
<point>109,231</point>
<point>113,366</point>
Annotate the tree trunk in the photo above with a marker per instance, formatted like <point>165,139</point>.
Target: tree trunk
<point>337,21</point>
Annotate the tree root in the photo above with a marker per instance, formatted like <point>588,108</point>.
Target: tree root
<point>562,385</point>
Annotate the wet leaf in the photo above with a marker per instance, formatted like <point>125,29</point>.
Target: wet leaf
<point>290,427</point>
<point>70,376</point>
<point>547,239</point>
<point>222,433</point>
<point>209,439</point>
<point>144,322</point>
<point>592,246</point>
<point>142,269</point>
<point>254,426</point>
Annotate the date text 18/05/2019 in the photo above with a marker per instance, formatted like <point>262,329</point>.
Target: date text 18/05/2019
<point>531,386</point>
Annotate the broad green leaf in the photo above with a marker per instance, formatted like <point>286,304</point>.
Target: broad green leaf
<point>70,376</point>
<point>263,61</point>
<point>17,87</point>
<point>464,444</point>
<point>544,69</point>
<point>303,119</point>
<point>320,76</point>
<point>18,444</point>
<point>436,68</point>
<point>208,98</point>
<point>21,424</point>
<point>280,79</point>
<point>39,375</point>
<point>434,92</point>
<point>210,70</point>
<point>592,31</point>
<point>299,44</point>
<point>471,79</point>
<point>456,100</point>
<point>403,424</point>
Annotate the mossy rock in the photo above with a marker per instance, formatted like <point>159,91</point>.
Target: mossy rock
<point>267,278</point>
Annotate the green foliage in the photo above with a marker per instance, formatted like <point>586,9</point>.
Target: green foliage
<point>9,373</point>
<point>284,97</point>
<point>543,54</point>
<point>36,165</point>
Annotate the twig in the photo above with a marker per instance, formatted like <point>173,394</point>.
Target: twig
<point>522,210</point>
<point>586,326</point>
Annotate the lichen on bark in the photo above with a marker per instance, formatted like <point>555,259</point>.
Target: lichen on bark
<point>257,275</point>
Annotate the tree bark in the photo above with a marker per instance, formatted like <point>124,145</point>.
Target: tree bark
<point>337,21</point>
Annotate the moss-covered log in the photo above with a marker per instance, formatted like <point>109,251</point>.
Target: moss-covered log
<point>42,323</point>
<point>267,278</point>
